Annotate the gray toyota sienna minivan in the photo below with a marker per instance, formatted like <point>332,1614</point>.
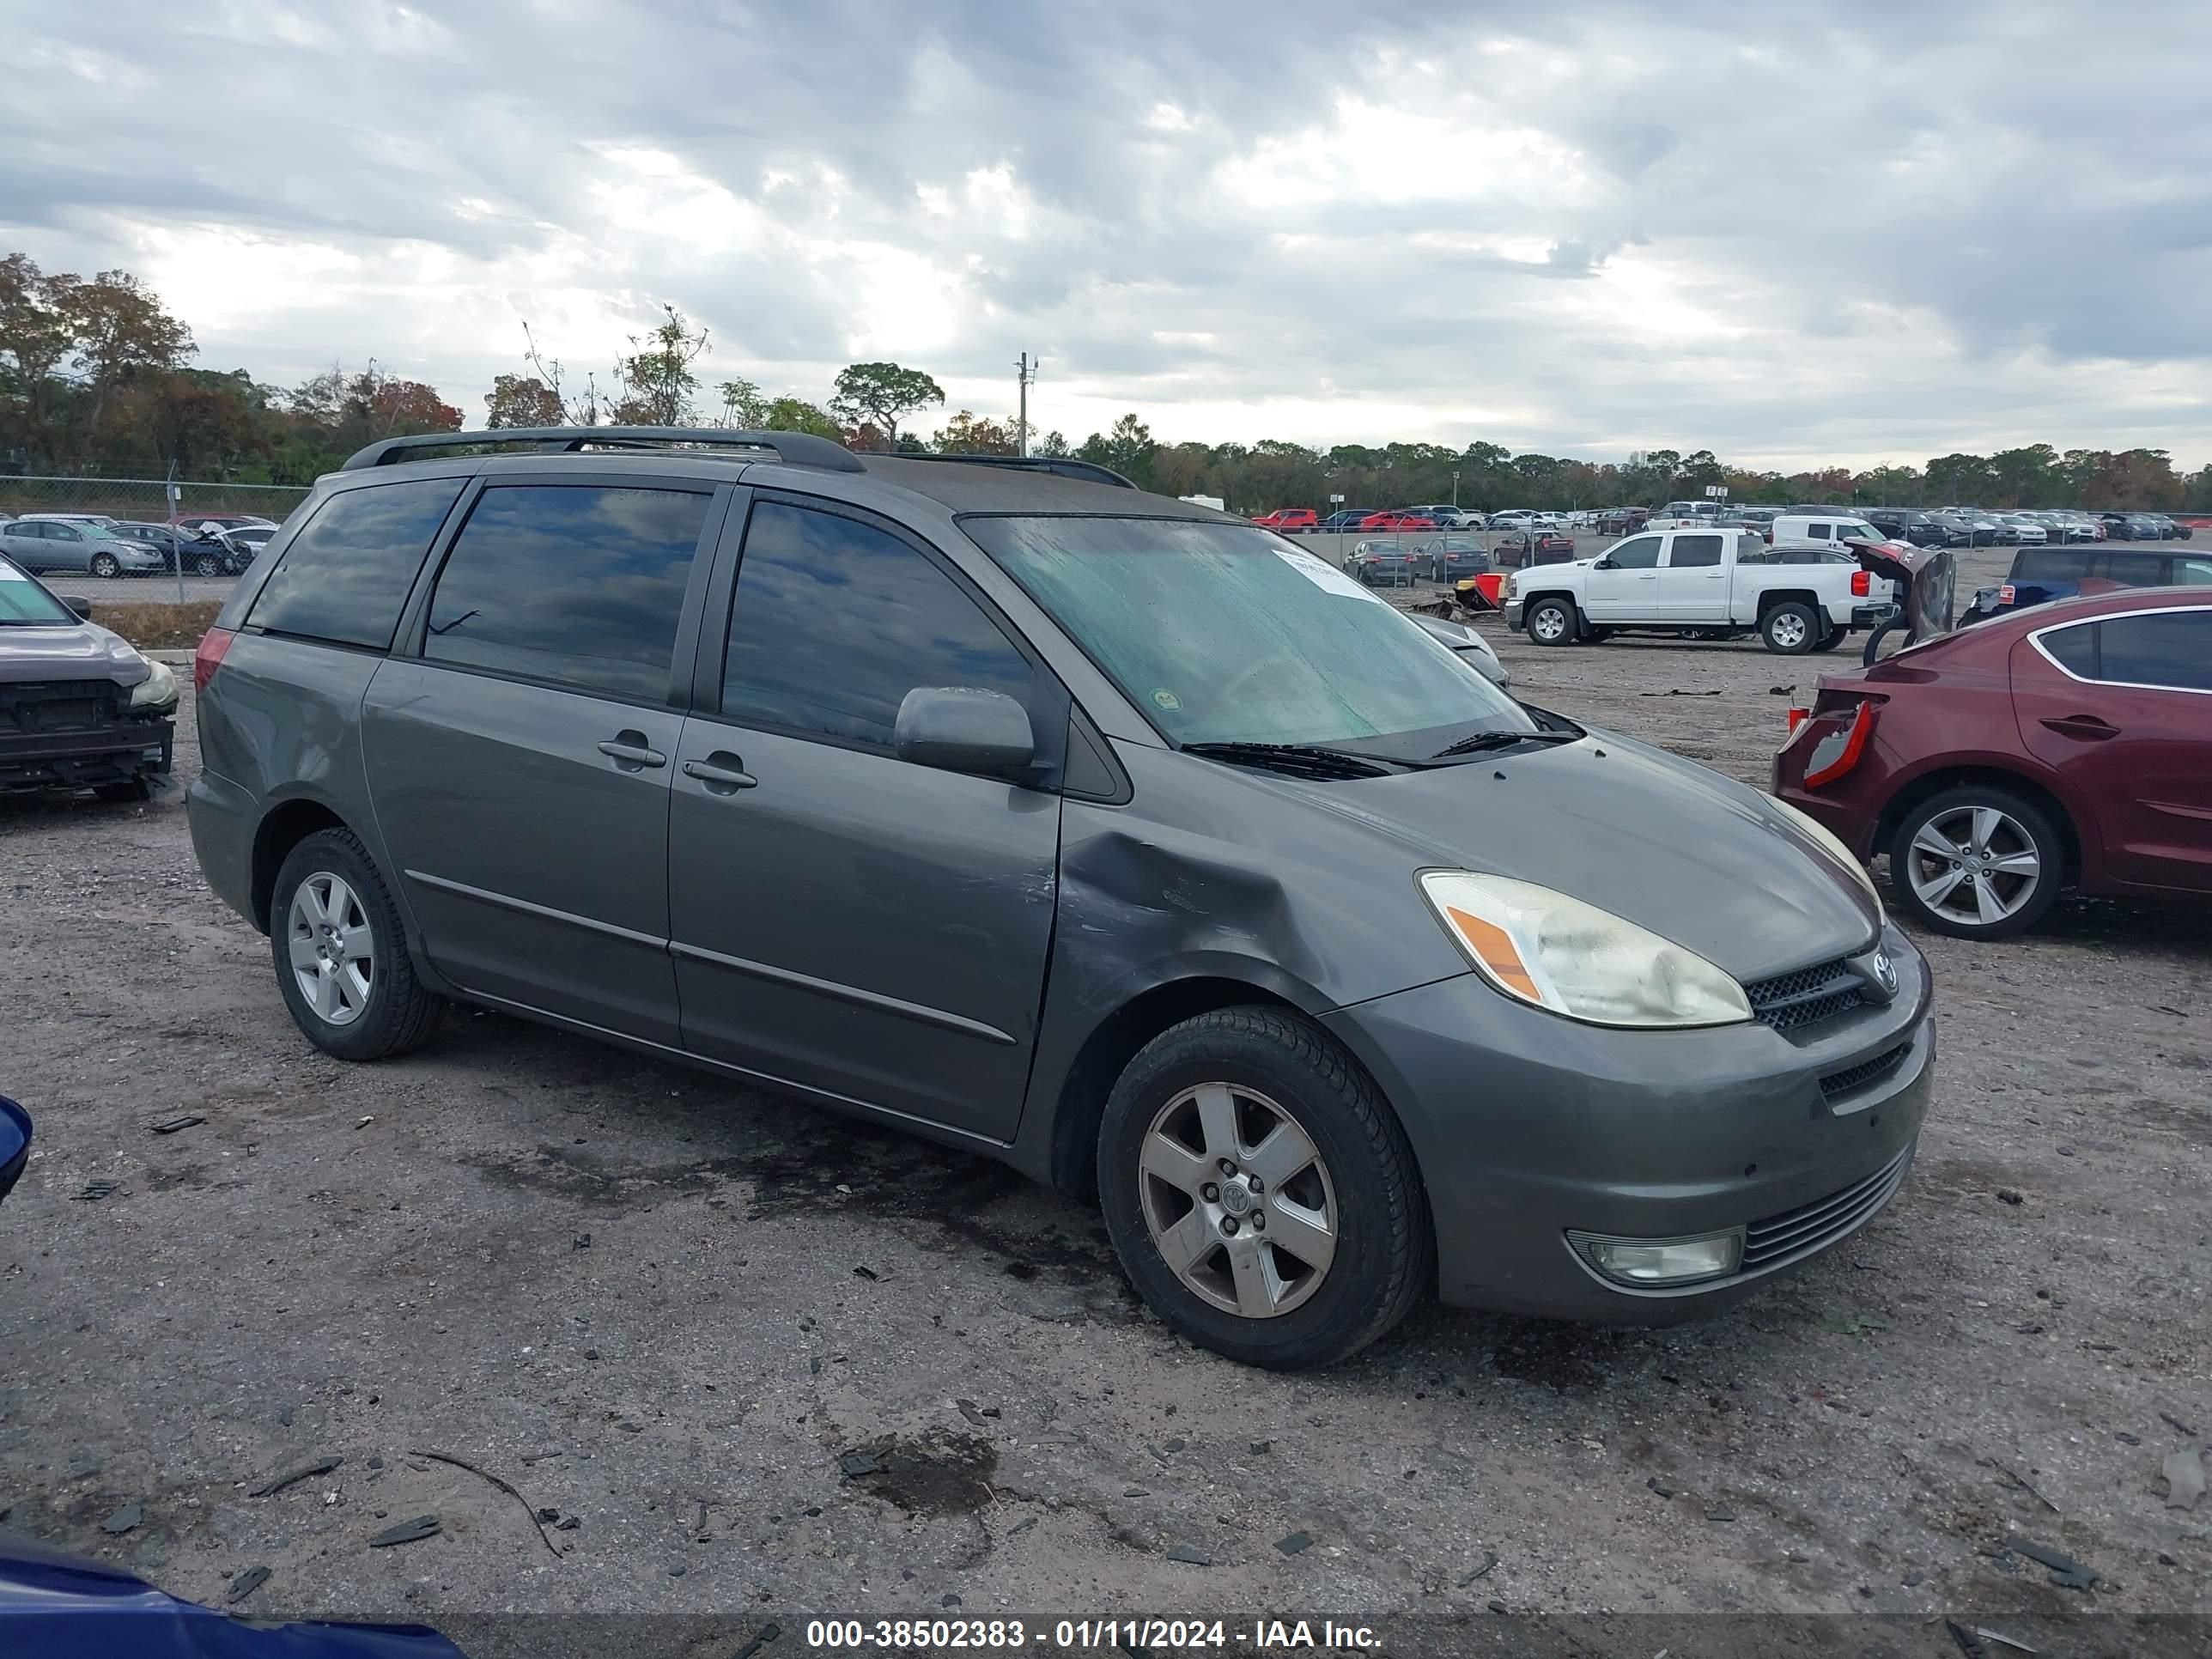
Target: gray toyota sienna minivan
<point>1092,831</point>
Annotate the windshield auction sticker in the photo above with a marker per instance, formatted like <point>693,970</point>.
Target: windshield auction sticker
<point>1325,576</point>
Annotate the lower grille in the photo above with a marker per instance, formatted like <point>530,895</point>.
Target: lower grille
<point>1866,1071</point>
<point>57,705</point>
<point>1813,1226</point>
<point>1789,1002</point>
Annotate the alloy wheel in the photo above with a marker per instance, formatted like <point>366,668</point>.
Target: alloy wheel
<point>1548,624</point>
<point>1788,630</point>
<point>1237,1200</point>
<point>333,950</point>
<point>1975,866</point>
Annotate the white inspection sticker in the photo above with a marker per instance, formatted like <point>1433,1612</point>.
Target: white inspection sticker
<point>10,574</point>
<point>1325,577</point>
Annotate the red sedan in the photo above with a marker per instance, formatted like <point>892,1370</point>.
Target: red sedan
<point>2066,745</point>
<point>1394,520</point>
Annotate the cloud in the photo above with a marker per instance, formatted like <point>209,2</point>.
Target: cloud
<point>1862,229</point>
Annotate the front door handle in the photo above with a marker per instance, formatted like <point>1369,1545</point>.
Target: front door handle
<point>2088,727</point>
<point>631,753</point>
<point>723,772</point>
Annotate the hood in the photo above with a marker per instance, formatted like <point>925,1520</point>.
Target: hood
<point>83,650</point>
<point>1695,857</point>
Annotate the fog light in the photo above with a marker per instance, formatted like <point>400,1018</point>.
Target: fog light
<point>1652,1261</point>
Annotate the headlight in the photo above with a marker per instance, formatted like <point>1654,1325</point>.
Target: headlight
<point>157,691</point>
<point>1835,849</point>
<point>1575,959</point>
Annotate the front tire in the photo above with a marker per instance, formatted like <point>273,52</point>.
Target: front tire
<point>107,567</point>
<point>207,564</point>
<point>1791,628</point>
<point>341,954</point>
<point>1551,622</point>
<point>1259,1191</point>
<point>1977,862</point>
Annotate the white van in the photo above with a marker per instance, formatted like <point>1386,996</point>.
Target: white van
<point>1801,529</point>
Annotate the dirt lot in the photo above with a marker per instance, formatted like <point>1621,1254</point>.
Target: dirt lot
<point>663,1307</point>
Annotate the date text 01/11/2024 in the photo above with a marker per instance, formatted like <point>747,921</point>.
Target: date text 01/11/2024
<point>1077,1635</point>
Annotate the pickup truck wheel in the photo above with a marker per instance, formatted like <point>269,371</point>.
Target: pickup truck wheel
<point>1551,622</point>
<point>1977,862</point>
<point>1260,1192</point>
<point>1791,628</point>
<point>1835,637</point>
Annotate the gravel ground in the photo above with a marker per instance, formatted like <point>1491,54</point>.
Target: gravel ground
<point>662,1308</point>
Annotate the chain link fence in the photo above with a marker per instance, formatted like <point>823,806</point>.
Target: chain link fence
<point>144,499</point>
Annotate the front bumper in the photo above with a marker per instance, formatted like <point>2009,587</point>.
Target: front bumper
<point>1527,1126</point>
<point>114,753</point>
<point>1512,609</point>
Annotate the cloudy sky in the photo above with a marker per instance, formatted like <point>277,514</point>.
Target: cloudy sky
<point>1791,230</point>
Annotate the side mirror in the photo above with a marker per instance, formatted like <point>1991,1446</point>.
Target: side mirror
<point>1605,564</point>
<point>81,607</point>
<point>963,728</point>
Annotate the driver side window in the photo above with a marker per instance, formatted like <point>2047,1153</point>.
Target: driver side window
<point>1642,554</point>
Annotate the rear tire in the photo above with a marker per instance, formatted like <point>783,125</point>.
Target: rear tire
<point>332,920</point>
<point>1995,842</point>
<point>1551,622</point>
<point>1835,637</point>
<point>1790,629</point>
<point>1278,1100</point>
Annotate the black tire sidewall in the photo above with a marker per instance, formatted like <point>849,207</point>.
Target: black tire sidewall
<point>1340,1317</point>
<point>1566,607</point>
<point>2049,850</point>
<point>1812,624</point>
<point>105,566</point>
<point>392,988</point>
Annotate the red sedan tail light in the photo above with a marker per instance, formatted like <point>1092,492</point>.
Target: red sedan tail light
<point>1837,750</point>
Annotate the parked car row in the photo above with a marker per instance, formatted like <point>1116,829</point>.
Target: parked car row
<point>1303,521</point>
<point>1974,526</point>
<point>95,544</point>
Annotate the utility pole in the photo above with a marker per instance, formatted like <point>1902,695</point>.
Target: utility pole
<point>1026,373</point>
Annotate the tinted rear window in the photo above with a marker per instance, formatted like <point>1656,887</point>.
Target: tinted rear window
<point>573,583</point>
<point>2050,565</point>
<point>346,575</point>
<point>2166,648</point>
<point>2074,648</point>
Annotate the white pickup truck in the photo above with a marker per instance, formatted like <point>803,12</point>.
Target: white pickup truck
<point>1704,583</point>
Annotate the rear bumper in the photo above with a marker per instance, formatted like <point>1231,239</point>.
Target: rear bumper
<point>1530,1129</point>
<point>80,760</point>
<point>223,823</point>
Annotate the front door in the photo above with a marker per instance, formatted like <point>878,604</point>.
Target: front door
<point>520,765</point>
<point>1625,584</point>
<point>2124,715</point>
<point>1693,583</point>
<point>844,920</point>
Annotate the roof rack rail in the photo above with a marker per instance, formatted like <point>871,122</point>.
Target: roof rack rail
<point>1066,467</point>
<point>793,448</point>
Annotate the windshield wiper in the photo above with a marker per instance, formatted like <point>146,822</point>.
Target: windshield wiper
<point>1306,760</point>
<point>1475,742</point>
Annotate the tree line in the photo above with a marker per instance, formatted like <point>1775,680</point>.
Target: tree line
<point>97,376</point>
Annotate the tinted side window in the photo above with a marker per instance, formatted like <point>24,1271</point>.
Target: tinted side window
<point>575,583</point>
<point>1642,554</point>
<point>2074,648</point>
<point>347,573</point>
<point>2190,572</point>
<point>834,621</point>
<point>2136,569</point>
<point>1694,550</point>
<point>2169,649</point>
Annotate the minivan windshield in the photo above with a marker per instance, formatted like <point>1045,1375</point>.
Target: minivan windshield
<point>1222,634</point>
<point>24,604</point>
